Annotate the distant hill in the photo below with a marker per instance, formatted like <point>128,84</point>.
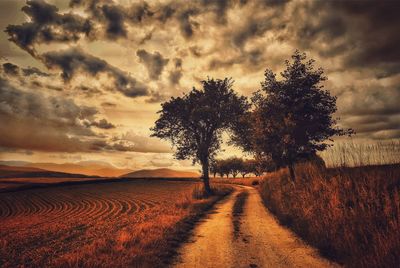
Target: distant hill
<point>161,173</point>
<point>30,172</point>
<point>89,168</point>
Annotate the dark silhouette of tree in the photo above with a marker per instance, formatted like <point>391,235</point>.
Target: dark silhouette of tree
<point>214,167</point>
<point>246,168</point>
<point>195,122</point>
<point>234,165</point>
<point>291,118</point>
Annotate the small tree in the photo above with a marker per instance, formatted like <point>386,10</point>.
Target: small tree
<point>225,168</point>
<point>255,167</point>
<point>246,168</point>
<point>234,165</point>
<point>194,123</point>
<point>292,117</point>
<point>214,167</point>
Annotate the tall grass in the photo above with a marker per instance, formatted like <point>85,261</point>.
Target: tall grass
<point>352,153</point>
<point>352,214</point>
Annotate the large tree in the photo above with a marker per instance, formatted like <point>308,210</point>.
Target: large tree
<point>292,118</point>
<point>194,123</point>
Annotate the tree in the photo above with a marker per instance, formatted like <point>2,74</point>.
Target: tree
<point>291,118</point>
<point>214,167</point>
<point>195,122</point>
<point>246,168</point>
<point>234,165</point>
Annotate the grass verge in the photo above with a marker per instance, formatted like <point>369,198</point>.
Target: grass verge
<point>352,215</point>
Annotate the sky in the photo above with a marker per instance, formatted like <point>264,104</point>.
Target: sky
<point>84,79</point>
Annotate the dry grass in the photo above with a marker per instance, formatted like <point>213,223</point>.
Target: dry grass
<point>351,214</point>
<point>353,154</point>
<point>118,224</point>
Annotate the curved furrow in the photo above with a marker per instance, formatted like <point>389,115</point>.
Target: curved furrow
<point>104,207</point>
<point>116,209</point>
<point>5,207</point>
<point>110,208</point>
<point>43,206</point>
<point>15,207</point>
<point>92,207</point>
<point>130,205</point>
<point>75,208</point>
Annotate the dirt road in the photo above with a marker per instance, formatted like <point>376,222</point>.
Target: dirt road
<point>261,242</point>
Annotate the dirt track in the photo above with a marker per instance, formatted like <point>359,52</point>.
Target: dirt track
<point>262,242</point>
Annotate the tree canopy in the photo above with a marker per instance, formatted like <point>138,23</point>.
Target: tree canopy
<point>292,118</point>
<point>194,123</point>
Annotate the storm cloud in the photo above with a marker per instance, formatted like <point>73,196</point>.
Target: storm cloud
<point>47,25</point>
<point>73,61</point>
<point>154,63</point>
<point>110,53</point>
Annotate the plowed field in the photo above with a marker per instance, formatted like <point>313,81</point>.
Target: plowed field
<point>61,225</point>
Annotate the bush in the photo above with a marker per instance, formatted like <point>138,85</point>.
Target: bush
<point>255,182</point>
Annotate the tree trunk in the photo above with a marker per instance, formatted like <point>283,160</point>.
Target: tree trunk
<point>206,179</point>
<point>291,172</point>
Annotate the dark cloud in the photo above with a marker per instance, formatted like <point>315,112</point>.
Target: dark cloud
<point>220,8</point>
<point>249,60</point>
<point>10,69</point>
<point>34,71</point>
<point>108,104</point>
<point>103,124</point>
<point>156,97</point>
<point>33,121</point>
<point>47,25</point>
<point>176,74</point>
<point>253,27</point>
<point>88,91</point>
<point>114,16</point>
<point>186,25</point>
<point>364,32</point>
<point>154,62</point>
<point>14,70</point>
<point>73,61</point>
<point>372,111</point>
<point>146,38</point>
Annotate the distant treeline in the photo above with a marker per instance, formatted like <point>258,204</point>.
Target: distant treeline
<point>235,166</point>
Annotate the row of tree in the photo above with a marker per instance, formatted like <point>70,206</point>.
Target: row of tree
<point>235,166</point>
<point>285,121</point>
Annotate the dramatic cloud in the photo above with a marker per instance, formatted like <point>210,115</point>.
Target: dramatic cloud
<point>176,74</point>
<point>154,62</point>
<point>103,123</point>
<point>74,61</point>
<point>10,69</point>
<point>34,71</point>
<point>47,25</point>
<point>112,52</point>
<point>33,121</point>
<point>141,143</point>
